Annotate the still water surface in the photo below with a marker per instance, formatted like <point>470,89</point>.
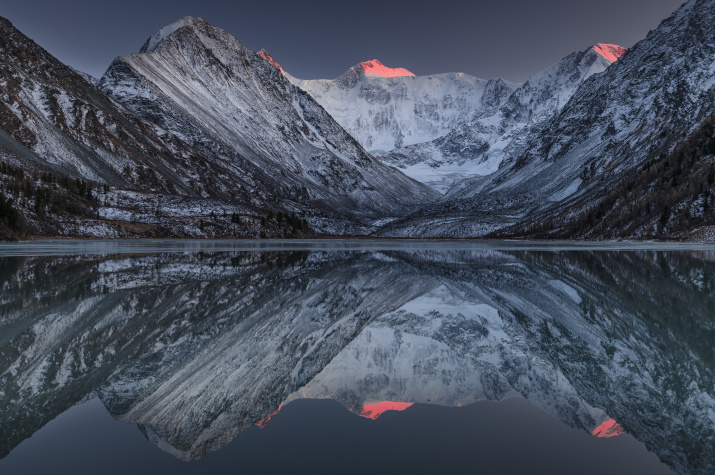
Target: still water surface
<point>355,356</point>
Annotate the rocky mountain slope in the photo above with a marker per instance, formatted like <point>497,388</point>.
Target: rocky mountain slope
<point>203,86</point>
<point>58,127</point>
<point>161,177</point>
<point>670,197</point>
<point>639,108</point>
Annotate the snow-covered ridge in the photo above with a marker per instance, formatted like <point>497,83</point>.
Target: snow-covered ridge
<point>481,143</point>
<point>201,84</point>
<point>442,128</point>
<point>637,109</point>
<point>386,108</point>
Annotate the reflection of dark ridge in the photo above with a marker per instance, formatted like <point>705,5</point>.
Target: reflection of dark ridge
<point>665,302</point>
<point>27,283</point>
<point>271,343</point>
<point>654,308</point>
<point>35,289</point>
<point>674,291</point>
<point>144,331</point>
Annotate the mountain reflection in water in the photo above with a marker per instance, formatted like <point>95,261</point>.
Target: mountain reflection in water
<point>195,348</point>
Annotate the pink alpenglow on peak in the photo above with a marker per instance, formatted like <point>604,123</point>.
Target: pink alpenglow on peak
<point>375,410</point>
<point>611,52</point>
<point>265,55</point>
<point>376,68</point>
<point>610,428</point>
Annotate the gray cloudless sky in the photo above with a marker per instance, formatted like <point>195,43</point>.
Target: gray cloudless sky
<point>321,39</point>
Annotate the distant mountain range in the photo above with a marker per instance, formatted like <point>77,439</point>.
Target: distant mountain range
<point>197,136</point>
<point>443,128</point>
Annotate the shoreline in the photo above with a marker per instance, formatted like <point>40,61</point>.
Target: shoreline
<point>68,246</point>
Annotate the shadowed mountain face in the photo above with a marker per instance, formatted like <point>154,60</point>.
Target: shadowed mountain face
<point>195,348</point>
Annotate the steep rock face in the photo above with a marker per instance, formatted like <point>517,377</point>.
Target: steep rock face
<point>386,108</point>
<point>202,85</point>
<point>53,117</point>
<point>639,108</point>
<point>479,144</point>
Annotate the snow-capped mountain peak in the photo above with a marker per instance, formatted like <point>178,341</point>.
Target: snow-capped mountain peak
<point>634,113</point>
<point>376,68</point>
<point>386,108</point>
<point>478,145</point>
<point>201,84</point>
<point>164,33</point>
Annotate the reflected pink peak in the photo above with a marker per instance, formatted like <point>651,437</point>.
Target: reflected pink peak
<point>376,68</point>
<point>375,410</point>
<point>264,54</point>
<point>610,428</point>
<point>262,423</point>
<point>611,52</point>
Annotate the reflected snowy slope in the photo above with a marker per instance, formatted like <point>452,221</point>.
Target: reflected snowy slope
<point>197,347</point>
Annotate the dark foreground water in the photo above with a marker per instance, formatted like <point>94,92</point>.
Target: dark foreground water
<point>355,357</point>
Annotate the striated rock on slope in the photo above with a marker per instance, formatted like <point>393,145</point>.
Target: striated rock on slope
<point>198,82</point>
<point>481,142</point>
<point>53,117</point>
<point>639,108</point>
<point>161,336</point>
<point>385,108</point>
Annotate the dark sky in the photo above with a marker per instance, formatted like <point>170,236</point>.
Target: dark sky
<point>321,39</point>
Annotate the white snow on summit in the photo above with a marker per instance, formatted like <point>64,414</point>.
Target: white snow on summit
<point>386,108</point>
<point>164,33</point>
<point>442,128</point>
<point>481,143</point>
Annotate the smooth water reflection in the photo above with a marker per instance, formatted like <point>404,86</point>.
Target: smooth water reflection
<point>197,347</point>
